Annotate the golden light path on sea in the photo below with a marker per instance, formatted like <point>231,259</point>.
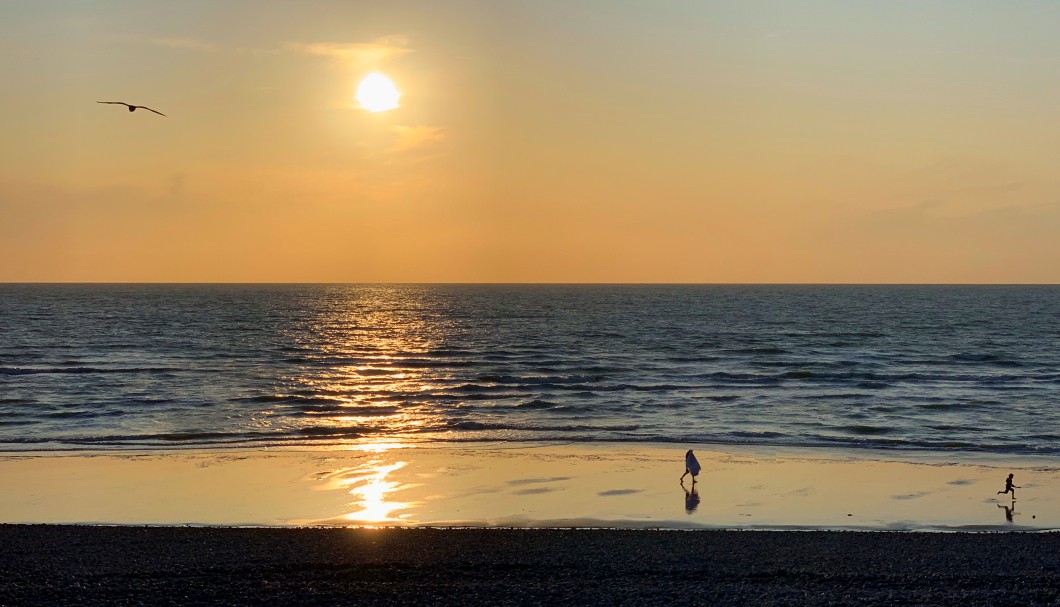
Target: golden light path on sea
<point>371,486</point>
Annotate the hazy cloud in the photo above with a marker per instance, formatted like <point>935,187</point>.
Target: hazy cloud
<point>357,53</point>
<point>189,44</point>
<point>176,183</point>
<point>412,137</point>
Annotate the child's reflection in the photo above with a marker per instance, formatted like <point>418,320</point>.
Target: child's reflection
<point>1009,511</point>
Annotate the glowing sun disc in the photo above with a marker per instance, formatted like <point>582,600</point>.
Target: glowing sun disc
<point>377,93</point>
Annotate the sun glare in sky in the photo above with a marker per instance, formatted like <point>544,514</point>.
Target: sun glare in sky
<point>377,93</point>
<point>596,141</point>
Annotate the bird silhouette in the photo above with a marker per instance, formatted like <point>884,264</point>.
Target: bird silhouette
<point>132,108</point>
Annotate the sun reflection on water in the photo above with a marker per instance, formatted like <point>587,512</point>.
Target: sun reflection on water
<point>367,367</point>
<point>372,489</point>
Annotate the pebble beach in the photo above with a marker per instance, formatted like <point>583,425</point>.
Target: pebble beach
<point>83,565</point>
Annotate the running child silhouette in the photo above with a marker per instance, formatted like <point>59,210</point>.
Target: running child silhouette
<point>1009,487</point>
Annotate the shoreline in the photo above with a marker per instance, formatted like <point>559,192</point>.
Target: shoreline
<point>504,485</point>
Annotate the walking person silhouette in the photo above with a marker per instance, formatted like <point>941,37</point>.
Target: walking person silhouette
<point>691,467</point>
<point>1009,487</point>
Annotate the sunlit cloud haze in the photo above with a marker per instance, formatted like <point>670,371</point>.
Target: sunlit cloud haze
<point>357,55</point>
<point>753,141</point>
<point>190,44</point>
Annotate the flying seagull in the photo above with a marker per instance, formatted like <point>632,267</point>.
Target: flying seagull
<point>132,108</point>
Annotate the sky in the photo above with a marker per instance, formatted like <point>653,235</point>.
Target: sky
<point>613,141</point>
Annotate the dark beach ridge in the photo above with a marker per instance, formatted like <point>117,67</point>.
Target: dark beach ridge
<point>86,565</point>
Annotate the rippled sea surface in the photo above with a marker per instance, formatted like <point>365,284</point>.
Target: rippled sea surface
<point>941,368</point>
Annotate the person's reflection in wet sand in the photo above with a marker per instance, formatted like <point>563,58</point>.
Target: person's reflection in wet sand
<point>691,499</point>
<point>1009,511</point>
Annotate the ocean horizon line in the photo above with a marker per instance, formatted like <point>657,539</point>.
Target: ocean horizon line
<point>572,284</point>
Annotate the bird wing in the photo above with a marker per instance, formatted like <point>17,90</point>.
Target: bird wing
<point>115,102</point>
<point>150,110</point>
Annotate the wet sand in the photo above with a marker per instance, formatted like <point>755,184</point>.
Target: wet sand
<point>511,485</point>
<point>68,565</point>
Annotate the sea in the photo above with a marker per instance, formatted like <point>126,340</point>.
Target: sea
<point>944,369</point>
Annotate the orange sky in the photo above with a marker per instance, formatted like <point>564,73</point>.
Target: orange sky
<point>535,142</point>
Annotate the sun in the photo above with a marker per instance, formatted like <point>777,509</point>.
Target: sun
<point>377,93</point>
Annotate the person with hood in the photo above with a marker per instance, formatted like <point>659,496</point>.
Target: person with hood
<point>691,467</point>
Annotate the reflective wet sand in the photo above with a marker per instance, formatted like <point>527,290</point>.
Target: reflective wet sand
<point>600,485</point>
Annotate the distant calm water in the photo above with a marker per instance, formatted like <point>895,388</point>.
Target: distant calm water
<point>954,369</point>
